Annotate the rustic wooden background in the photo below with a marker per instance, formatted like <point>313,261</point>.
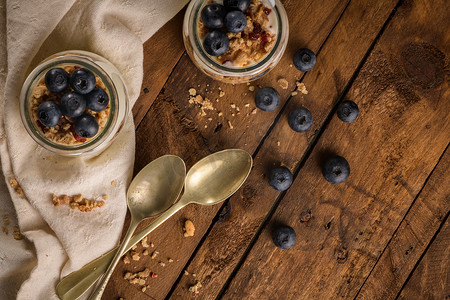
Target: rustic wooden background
<point>383,234</point>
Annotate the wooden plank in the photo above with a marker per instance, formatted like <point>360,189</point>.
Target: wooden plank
<point>174,126</point>
<point>157,67</point>
<point>402,130</point>
<point>337,61</point>
<point>431,278</point>
<point>412,237</point>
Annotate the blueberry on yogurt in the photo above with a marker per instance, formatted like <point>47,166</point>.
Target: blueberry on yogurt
<point>241,5</point>
<point>235,21</point>
<point>49,113</point>
<point>57,80</point>
<point>213,15</point>
<point>97,100</point>
<point>73,104</point>
<point>216,43</point>
<point>82,81</point>
<point>86,126</point>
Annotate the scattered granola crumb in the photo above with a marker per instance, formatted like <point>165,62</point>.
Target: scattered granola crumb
<point>295,93</point>
<point>77,202</point>
<point>247,105</point>
<point>144,242</point>
<point>254,111</point>
<point>153,275</point>
<point>278,143</point>
<point>16,233</point>
<point>284,84</point>
<point>229,124</point>
<point>248,83</point>
<point>232,115</point>
<point>209,119</point>
<point>5,229</point>
<point>144,289</point>
<point>220,114</point>
<point>194,275</point>
<point>232,105</point>
<point>135,255</point>
<point>290,65</point>
<point>192,92</point>
<point>17,188</point>
<point>251,88</point>
<point>170,260</point>
<point>186,272</point>
<point>6,220</point>
<point>189,227</point>
<point>195,288</point>
<point>145,252</point>
<point>162,264</point>
<point>152,245</point>
<point>134,247</point>
<point>221,94</point>
<point>126,259</point>
<point>302,88</point>
<point>206,126</point>
<point>113,183</point>
<point>154,253</point>
<point>105,197</point>
<point>138,277</point>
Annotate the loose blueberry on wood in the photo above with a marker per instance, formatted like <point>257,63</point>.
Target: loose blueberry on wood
<point>300,119</point>
<point>241,5</point>
<point>97,100</point>
<point>280,178</point>
<point>235,21</point>
<point>216,43</point>
<point>86,126</point>
<point>267,99</point>
<point>213,15</point>
<point>347,111</point>
<point>73,104</point>
<point>56,80</point>
<point>82,81</point>
<point>284,237</point>
<point>336,169</point>
<point>49,113</point>
<point>304,59</point>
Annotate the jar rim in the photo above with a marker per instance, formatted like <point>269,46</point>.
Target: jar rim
<point>68,58</point>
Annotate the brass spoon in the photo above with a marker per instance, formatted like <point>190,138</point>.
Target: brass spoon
<point>210,181</point>
<point>150,193</point>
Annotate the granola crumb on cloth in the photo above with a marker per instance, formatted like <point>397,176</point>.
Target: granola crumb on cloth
<point>77,202</point>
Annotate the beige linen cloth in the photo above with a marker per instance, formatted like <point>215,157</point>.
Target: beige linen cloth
<point>60,240</point>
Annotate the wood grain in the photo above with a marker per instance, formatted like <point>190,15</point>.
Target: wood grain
<point>161,53</point>
<point>402,116</point>
<point>173,126</point>
<point>337,61</point>
<point>431,278</point>
<point>412,237</point>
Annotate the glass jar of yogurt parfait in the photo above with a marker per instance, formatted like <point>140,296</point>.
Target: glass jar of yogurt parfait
<point>74,103</point>
<point>235,44</point>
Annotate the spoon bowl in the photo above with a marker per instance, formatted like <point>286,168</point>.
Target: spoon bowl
<point>216,177</point>
<point>156,187</point>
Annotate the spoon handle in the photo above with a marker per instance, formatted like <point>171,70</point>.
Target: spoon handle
<point>97,294</point>
<point>77,283</point>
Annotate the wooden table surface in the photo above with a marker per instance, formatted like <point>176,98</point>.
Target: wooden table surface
<point>382,234</point>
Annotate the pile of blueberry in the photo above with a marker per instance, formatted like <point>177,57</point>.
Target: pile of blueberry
<point>229,16</point>
<point>80,93</point>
